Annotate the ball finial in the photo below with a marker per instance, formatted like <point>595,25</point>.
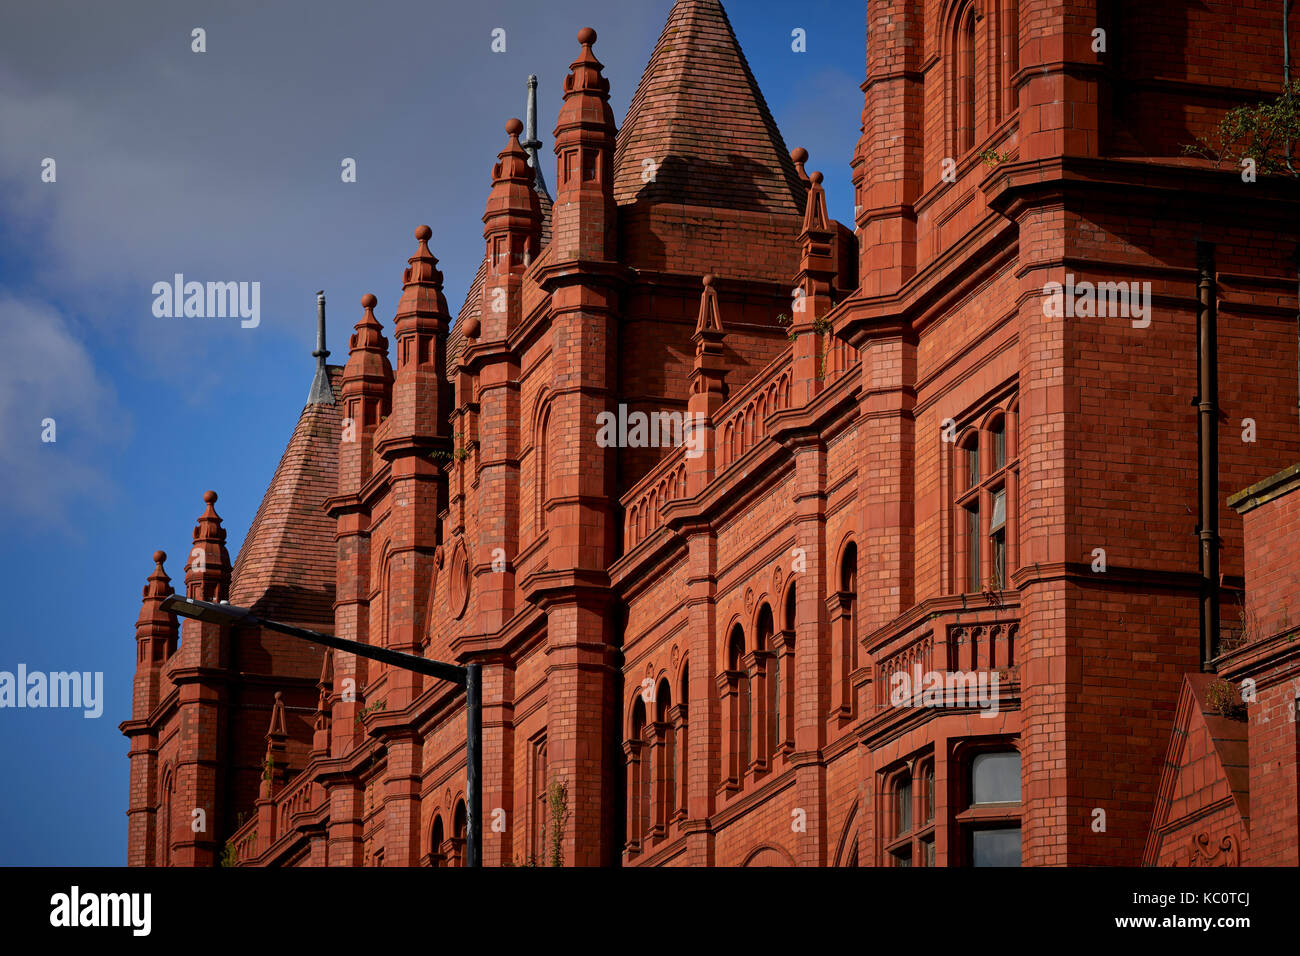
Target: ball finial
<point>368,301</point>
<point>514,127</point>
<point>817,178</point>
<point>159,557</point>
<point>708,281</point>
<point>799,154</point>
<point>210,497</point>
<point>586,36</point>
<point>423,233</point>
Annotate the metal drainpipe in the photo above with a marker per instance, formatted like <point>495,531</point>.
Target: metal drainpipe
<point>1207,331</point>
<point>1295,257</point>
<point>1286,68</point>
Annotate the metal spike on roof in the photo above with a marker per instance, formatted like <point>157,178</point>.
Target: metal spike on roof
<point>321,392</point>
<point>531,142</point>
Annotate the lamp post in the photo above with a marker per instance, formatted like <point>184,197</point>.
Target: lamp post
<point>469,677</point>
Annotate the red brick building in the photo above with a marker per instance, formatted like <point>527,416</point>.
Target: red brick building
<point>913,577</point>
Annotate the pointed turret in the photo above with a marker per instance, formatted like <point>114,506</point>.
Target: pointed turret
<point>708,388</point>
<point>275,766</point>
<point>815,283</point>
<point>417,432</point>
<point>575,506</point>
<point>207,575</point>
<point>469,319</point>
<point>512,230</point>
<point>698,131</point>
<point>320,745</point>
<point>584,215</point>
<point>367,396</point>
<point>421,395</point>
<point>156,632</point>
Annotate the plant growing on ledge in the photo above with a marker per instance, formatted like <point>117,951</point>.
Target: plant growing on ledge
<point>785,322</point>
<point>268,768</point>
<point>460,453</point>
<point>1223,699</point>
<point>991,157</point>
<point>367,711</point>
<point>1259,135</point>
<point>228,857</point>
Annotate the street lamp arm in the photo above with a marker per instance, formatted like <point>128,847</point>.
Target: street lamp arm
<point>230,615</point>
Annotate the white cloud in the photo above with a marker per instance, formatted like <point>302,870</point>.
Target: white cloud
<point>46,372</point>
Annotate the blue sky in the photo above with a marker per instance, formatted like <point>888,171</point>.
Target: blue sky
<point>225,166</point>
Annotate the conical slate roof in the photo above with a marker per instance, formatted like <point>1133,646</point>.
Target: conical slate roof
<point>286,569</point>
<point>700,120</point>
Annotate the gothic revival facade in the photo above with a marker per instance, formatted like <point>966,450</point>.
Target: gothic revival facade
<point>896,558</point>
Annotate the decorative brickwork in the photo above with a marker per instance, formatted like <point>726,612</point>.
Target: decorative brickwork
<point>888,562</point>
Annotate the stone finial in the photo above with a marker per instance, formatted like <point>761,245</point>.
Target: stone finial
<point>277,731</point>
<point>368,334</point>
<point>800,156</point>
<point>710,319</point>
<point>815,218</point>
<point>585,72</point>
<point>159,584</point>
<point>209,529</point>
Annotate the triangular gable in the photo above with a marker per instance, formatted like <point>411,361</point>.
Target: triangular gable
<point>1202,805</point>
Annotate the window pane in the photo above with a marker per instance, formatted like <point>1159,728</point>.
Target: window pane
<point>999,447</point>
<point>929,794</point>
<point>996,847</point>
<point>903,806</point>
<point>999,510</point>
<point>973,547</point>
<point>927,852</point>
<point>999,559</point>
<point>973,465</point>
<point>995,778</point>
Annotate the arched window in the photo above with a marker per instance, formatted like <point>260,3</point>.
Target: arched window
<point>638,776</point>
<point>735,710</point>
<point>458,828</point>
<point>767,688</point>
<point>540,797</point>
<point>542,463</point>
<point>970,514</point>
<point>665,762</point>
<point>437,852</point>
<point>164,824</point>
<point>986,472</point>
<point>909,813</point>
<point>844,641</point>
<point>965,86</point>
<point>786,670</point>
<point>684,695</point>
